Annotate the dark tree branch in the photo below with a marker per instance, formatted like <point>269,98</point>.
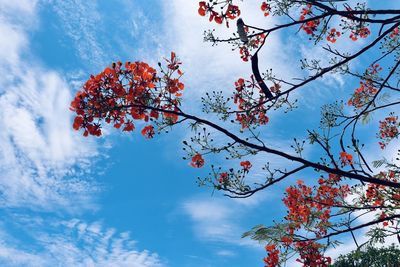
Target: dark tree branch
<point>257,76</point>
<point>245,143</point>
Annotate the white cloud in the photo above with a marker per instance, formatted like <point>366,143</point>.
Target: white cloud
<point>24,8</point>
<point>218,220</point>
<point>81,22</point>
<point>44,165</point>
<point>100,36</point>
<point>74,243</point>
<point>225,253</point>
<point>211,219</point>
<point>38,148</point>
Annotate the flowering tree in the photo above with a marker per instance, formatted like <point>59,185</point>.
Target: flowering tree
<point>347,184</point>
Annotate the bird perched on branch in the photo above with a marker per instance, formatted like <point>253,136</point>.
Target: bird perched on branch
<point>241,31</point>
<point>254,59</point>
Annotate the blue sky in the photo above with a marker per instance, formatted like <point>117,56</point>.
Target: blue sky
<point>121,200</point>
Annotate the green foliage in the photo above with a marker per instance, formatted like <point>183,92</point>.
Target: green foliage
<point>371,257</point>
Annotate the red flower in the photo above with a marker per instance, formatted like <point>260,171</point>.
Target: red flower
<point>197,161</point>
<point>272,259</point>
<point>332,35</point>
<point>173,62</point>
<point>362,33</point>
<point>202,8</point>
<point>244,53</point>
<point>218,18</point>
<point>287,241</point>
<point>78,121</point>
<point>129,126</point>
<point>232,12</point>
<point>310,254</point>
<point>346,158</point>
<point>365,93</point>
<point>388,130</point>
<point>265,8</point>
<point>310,26</point>
<point>223,177</point>
<point>228,11</point>
<point>246,165</point>
<point>172,118</point>
<point>148,132</point>
<point>394,33</point>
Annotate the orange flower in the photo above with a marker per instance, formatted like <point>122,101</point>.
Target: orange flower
<point>148,132</point>
<point>332,35</point>
<point>120,94</point>
<point>202,8</point>
<point>197,161</point>
<point>78,121</point>
<point>287,241</point>
<point>272,259</point>
<point>265,8</point>
<point>346,158</point>
<point>129,126</point>
<point>223,177</point>
<point>232,12</point>
<point>246,165</point>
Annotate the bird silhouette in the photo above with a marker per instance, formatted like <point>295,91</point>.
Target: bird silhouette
<point>241,31</point>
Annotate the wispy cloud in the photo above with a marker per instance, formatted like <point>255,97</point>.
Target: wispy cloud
<point>38,149</point>
<point>225,253</point>
<point>73,243</point>
<point>82,23</point>
<point>218,220</point>
<point>211,219</point>
<point>45,166</point>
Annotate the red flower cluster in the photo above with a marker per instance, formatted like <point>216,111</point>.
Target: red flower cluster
<point>374,69</point>
<point>272,259</point>
<point>395,33</point>
<point>388,130</point>
<point>253,43</point>
<point>346,159</point>
<point>305,12</point>
<point>374,195</point>
<point>308,207</point>
<point>123,93</point>
<point>230,13</point>
<point>362,33</point>
<point>246,165</point>
<point>367,91</point>
<point>244,53</point>
<point>197,161</point>
<point>311,256</point>
<point>266,8</point>
<point>298,205</point>
<point>378,195</point>
<point>244,97</point>
<point>223,177</point>
<point>148,131</point>
<point>363,94</point>
<point>310,26</point>
<point>333,35</point>
<point>304,202</point>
